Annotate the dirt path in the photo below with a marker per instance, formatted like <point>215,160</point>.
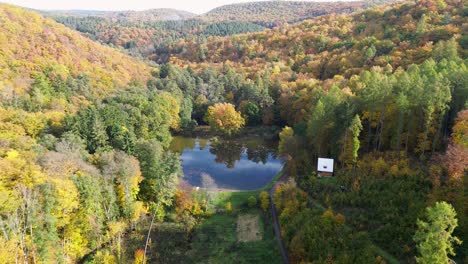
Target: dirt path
<point>276,226</point>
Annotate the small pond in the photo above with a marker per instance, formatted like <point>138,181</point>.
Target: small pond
<point>238,164</point>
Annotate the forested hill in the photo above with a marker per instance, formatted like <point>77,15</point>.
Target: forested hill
<point>151,33</point>
<point>31,44</point>
<point>151,15</point>
<point>397,35</point>
<point>273,12</point>
<point>161,14</point>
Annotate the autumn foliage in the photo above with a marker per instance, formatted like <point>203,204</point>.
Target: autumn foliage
<point>224,118</point>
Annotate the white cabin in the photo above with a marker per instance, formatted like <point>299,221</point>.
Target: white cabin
<point>325,167</point>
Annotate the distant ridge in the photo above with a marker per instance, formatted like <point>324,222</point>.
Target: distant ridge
<point>259,12</point>
<point>150,15</point>
<point>280,11</point>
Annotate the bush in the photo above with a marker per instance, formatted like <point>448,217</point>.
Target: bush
<point>252,201</point>
<point>229,207</point>
<point>264,201</point>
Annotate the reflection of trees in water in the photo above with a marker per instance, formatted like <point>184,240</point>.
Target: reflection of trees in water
<point>202,142</point>
<point>257,155</point>
<point>227,152</point>
<point>178,144</point>
<point>209,188</point>
<point>207,182</point>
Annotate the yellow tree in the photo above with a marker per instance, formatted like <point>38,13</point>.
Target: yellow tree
<point>264,200</point>
<point>224,118</point>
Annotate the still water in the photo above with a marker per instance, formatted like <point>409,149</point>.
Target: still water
<point>240,164</point>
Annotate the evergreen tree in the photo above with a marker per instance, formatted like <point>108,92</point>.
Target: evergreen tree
<point>434,236</point>
<point>351,142</point>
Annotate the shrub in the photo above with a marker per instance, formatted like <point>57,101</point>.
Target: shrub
<point>252,201</point>
<point>264,201</point>
<point>229,207</point>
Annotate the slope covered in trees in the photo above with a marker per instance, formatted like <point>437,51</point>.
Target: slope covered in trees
<point>276,12</point>
<point>145,38</point>
<point>336,44</point>
<point>150,34</point>
<point>84,164</point>
<point>31,44</point>
<point>81,157</point>
<point>150,15</point>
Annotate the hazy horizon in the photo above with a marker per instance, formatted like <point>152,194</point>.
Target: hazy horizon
<point>197,7</point>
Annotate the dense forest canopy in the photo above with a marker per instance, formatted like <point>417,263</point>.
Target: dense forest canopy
<point>335,44</point>
<point>277,12</point>
<point>149,34</point>
<point>85,165</point>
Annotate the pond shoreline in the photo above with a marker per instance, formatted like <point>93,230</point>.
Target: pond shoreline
<point>266,132</point>
<point>246,163</point>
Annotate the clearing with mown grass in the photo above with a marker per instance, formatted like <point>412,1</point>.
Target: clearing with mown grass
<point>248,228</point>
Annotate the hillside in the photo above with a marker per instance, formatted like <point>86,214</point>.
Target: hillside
<point>162,14</point>
<point>150,15</point>
<point>30,44</point>
<point>274,12</point>
<point>150,33</point>
<point>336,44</point>
<point>94,144</point>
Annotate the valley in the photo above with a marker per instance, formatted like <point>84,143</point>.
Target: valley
<point>166,136</point>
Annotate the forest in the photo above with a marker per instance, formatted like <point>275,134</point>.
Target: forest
<point>87,173</point>
<point>149,34</point>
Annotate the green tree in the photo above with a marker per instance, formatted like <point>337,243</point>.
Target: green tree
<point>91,128</point>
<point>434,236</point>
<point>251,112</point>
<point>351,141</point>
<point>316,127</point>
<point>160,171</point>
<point>252,201</point>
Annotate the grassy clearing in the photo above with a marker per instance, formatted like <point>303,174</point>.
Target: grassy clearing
<point>215,240</point>
<point>245,235</point>
<point>248,228</point>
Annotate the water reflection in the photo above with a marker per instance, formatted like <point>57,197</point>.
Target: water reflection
<point>227,152</point>
<point>245,164</point>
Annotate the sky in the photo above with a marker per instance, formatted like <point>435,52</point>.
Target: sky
<point>195,6</point>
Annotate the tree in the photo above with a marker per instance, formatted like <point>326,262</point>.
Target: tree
<point>229,207</point>
<point>251,201</point>
<point>90,126</point>
<point>370,53</point>
<point>251,112</point>
<point>285,135</point>
<point>264,200</point>
<point>351,141</point>
<point>434,236</point>
<point>160,171</point>
<point>124,171</point>
<point>224,118</point>
<point>316,126</point>
<point>445,50</point>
